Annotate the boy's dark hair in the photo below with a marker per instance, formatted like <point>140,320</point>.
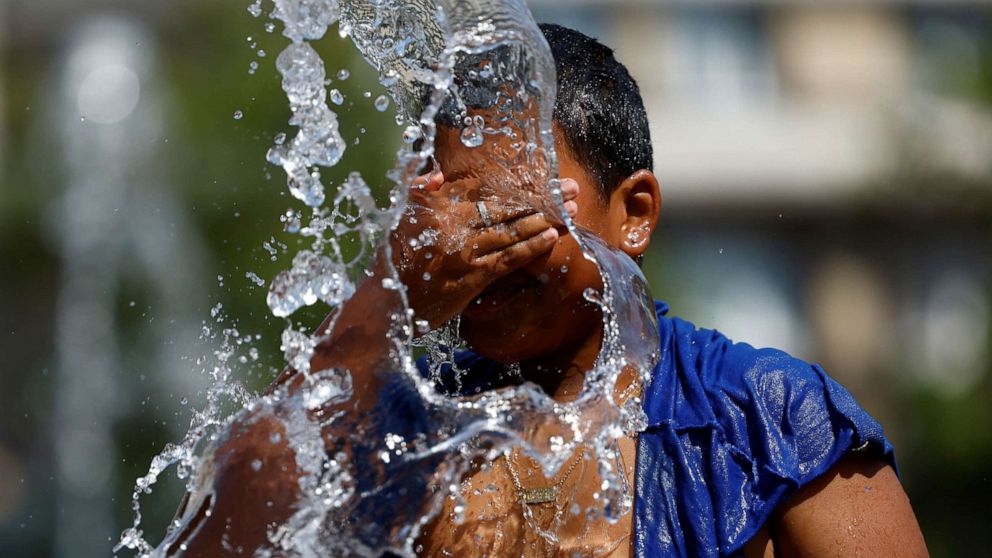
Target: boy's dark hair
<point>599,109</point>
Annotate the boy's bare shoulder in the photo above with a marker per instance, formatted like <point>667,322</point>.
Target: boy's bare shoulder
<point>857,508</point>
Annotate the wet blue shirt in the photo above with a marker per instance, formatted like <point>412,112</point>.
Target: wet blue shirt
<point>732,432</point>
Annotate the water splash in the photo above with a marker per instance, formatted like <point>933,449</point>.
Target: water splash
<point>486,66</point>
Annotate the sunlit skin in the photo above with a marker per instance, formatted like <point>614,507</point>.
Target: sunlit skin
<point>518,305</point>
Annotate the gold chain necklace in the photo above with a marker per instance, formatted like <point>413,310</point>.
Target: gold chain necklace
<point>540,494</point>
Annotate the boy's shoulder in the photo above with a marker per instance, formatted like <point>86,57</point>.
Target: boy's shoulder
<point>733,431</point>
<point>703,377</point>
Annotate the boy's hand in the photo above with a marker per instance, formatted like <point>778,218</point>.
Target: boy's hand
<point>448,249</point>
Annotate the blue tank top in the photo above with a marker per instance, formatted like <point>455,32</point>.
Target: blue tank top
<point>732,432</point>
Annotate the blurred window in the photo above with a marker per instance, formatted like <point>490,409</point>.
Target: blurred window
<point>742,283</point>
<point>720,57</point>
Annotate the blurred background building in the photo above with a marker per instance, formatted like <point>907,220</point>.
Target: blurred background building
<point>826,168</point>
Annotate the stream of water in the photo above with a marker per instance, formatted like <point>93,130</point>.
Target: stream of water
<point>487,64</point>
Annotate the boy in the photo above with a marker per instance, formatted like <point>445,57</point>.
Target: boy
<point>747,452</point>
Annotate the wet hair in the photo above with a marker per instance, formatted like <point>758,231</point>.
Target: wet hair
<point>599,110</point>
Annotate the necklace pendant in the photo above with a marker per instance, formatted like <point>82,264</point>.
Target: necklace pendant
<point>539,495</point>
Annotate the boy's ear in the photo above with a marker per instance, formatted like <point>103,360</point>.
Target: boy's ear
<point>638,203</point>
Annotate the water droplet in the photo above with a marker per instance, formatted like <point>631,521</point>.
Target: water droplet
<point>238,115</point>
<point>261,53</point>
<point>381,103</point>
<point>472,136</point>
<point>343,74</point>
<point>411,134</point>
<point>255,278</point>
<point>320,274</point>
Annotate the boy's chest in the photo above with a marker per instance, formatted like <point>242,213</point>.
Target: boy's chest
<point>494,520</point>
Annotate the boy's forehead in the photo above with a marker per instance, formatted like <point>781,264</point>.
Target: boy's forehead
<point>454,155</point>
<point>492,167</point>
<point>458,161</point>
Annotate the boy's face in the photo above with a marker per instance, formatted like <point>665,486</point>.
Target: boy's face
<point>539,309</point>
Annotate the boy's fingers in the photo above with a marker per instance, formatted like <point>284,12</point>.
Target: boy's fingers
<point>502,235</point>
<point>572,208</point>
<point>569,189</point>
<point>501,211</point>
<point>502,262</point>
<point>431,181</point>
<point>496,211</point>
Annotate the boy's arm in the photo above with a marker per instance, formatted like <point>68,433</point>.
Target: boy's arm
<point>857,508</point>
<point>799,427</point>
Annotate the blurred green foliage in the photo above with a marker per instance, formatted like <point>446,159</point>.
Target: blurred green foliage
<point>214,165</point>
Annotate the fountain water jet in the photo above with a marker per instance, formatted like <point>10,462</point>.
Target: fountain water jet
<point>450,58</point>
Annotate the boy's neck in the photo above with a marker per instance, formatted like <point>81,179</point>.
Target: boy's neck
<point>562,374</point>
